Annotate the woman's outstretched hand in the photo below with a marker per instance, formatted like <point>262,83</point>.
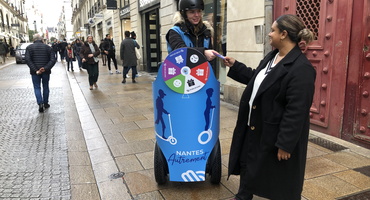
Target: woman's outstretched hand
<point>229,61</point>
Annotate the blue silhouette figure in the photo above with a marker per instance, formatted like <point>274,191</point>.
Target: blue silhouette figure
<point>209,106</point>
<point>160,110</point>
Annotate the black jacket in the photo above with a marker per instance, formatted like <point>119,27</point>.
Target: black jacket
<point>108,45</point>
<point>279,119</point>
<point>40,55</point>
<point>55,46</point>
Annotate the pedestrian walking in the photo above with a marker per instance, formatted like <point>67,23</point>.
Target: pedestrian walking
<point>128,56</point>
<point>12,51</point>
<point>133,36</point>
<point>40,59</point>
<point>269,144</point>
<point>103,55</point>
<point>62,46</point>
<point>70,56</point>
<point>55,47</point>
<point>89,54</point>
<point>110,51</point>
<point>77,48</point>
<point>190,30</point>
<point>3,50</point>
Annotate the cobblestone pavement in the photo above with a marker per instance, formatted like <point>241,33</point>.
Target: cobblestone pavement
<point>33,150</point>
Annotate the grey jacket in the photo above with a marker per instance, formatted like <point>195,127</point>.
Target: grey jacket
<point>127,52</point>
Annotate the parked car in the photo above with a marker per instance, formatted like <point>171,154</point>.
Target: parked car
<point>20,52</point>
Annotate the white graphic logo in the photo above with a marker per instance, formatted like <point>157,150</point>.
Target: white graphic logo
<point>179,59</point>
<point>171,71</point>
<point>177,83</point>
<point>200,72</point>
<point>191,176</point>
<point>194,58</point>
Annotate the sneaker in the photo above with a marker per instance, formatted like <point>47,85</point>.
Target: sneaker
<point>127,76</point>
<point>41,107</point>
<point>46,105</point>
<point>117,71</point>
<point>110,71</point>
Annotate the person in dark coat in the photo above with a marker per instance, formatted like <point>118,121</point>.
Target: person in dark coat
<point>89,54</point>
<point>269,143</point>
<point>55,47</point>
<point>110,50</point>
<point>40,59</point>
<point>128,56</point>
<point>190,30</point>
<point>70,56</point>
<point>3,50</point>
<point>62,46</point>
<point>103,55</point>
<point>77,48</point>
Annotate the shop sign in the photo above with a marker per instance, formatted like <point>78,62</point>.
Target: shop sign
<point>143,4</point>
<point>111,5</point>
<point>98,16</point>
<point>124,13</point>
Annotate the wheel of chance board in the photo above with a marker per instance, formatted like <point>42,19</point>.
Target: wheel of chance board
<point>185,70</point>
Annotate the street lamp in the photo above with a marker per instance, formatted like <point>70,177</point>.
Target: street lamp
<point>34,22</point>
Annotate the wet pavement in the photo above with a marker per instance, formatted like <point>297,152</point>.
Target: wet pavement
<point>98,144</point>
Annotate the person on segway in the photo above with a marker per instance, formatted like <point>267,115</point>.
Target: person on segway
<point>190,30</point>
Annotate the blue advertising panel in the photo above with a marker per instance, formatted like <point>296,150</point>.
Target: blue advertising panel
<point>186,96</point>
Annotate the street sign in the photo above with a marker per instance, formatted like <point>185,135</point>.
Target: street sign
<point>98,16</point>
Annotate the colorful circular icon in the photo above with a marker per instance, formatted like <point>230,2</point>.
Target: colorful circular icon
<point>185,70</point>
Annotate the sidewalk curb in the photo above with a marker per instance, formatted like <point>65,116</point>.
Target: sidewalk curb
<point>352,147</point>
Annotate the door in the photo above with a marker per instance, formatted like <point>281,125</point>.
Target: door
<point>357,107</point>
<point>328,54</point>
<point>153,45</point>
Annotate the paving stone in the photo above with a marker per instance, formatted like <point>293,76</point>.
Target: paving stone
<point>32,144</point>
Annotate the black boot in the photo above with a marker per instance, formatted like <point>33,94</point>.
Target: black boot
<point>124,80</point>
<point>133,80</point>
<point>41,107</point>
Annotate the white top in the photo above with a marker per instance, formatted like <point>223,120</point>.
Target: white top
<point>258,81</point>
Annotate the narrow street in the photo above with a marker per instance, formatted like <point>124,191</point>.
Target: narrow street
<point>98,144</point>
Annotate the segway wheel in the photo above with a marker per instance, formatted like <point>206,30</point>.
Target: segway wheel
<point>215,167</point>
<point>160,166</point>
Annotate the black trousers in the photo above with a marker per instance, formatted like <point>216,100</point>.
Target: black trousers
<point>113,57</point>
<point>126,69</point>
<point>93,71</point>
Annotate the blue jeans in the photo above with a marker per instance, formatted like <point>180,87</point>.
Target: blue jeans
<point>36,80</point>
<point>79,60</point>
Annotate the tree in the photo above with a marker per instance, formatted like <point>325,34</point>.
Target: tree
<point>30,34</point>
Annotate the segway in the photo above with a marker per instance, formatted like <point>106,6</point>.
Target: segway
<point>186,99</point>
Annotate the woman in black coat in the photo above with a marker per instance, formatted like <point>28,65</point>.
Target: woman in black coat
<point>269,144</point>
<point>89,56</point>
